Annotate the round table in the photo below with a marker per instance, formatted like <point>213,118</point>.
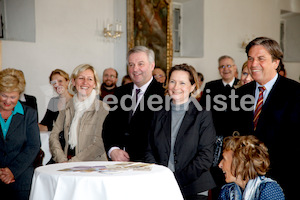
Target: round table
<point>50,183</point>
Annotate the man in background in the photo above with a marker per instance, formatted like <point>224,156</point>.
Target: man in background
<point>219,91</point>
<point>109,84</point>
<point>216,98</point>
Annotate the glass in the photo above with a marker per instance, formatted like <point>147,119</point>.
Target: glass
<point>224,66</point>
<point>109,76</point>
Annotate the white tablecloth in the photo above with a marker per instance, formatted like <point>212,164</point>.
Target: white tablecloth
<point>45,145</point>
<point>49,183</point>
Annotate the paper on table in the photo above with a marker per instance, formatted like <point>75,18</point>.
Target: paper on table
<point>125,166</point>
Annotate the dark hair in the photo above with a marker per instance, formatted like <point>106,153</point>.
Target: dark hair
<point>270,45</point>
<point>193,77</point>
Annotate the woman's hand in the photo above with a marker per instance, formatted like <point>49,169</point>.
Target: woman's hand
<point>6,176</point>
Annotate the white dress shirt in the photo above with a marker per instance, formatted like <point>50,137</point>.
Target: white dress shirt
<point>269,85</point>
<point>141,94</point>
<point>230,83</point>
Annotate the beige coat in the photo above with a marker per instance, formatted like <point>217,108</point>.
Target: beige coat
<point>90,145</point>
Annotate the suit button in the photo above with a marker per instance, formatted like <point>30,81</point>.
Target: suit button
<point>175,161</point>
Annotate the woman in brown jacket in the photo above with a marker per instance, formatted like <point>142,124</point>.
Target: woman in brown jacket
<point>81,121</point>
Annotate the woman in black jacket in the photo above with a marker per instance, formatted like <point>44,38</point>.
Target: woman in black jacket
<point>182,137</point>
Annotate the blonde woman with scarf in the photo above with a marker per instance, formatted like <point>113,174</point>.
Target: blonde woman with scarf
<point>81,120</point>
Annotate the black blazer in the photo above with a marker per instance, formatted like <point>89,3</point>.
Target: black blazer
<point>278,127</point>
<point>221,118</point>
<point>31,102</point>
<point>193,150</point>
<point>123,131</point>
<point>20,148</point>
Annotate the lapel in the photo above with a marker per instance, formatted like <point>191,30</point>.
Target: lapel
<point>16,120</point>
<point>236,81</point>
<point>150,90</point>
<point>166,126</point>
<point>187,122</point>
<point>267,104</point>
<point>128,91</point>
<point>271,94</point>
<point>128,101</point>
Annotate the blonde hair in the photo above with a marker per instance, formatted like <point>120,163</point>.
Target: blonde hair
<point>77,71</point>
<point>250,156</point>
<point>59,72</point>
<point>12,80</point>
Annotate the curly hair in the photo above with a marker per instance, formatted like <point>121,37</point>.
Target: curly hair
<point>250,156</point>
<point>12,80</point>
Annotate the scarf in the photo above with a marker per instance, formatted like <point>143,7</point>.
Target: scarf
<point>251,192</point>
<point>80,108</point>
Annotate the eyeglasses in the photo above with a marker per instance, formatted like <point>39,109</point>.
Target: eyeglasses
<point>224,66</point>
<point>109,76</point>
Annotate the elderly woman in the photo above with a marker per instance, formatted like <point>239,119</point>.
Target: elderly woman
<point>19,137</point>
<point>182,138</point>
<point>81,120</point>
<point>59,79</point>
<point>245,163</point>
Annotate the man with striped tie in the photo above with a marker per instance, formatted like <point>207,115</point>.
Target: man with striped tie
<point>275,117</point>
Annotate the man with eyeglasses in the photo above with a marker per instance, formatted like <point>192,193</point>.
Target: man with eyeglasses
<point>216,98</point>
<point>216,93</point>
<point>110,78</point>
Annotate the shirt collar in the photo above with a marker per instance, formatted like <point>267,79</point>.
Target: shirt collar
<point>269,84</point>
<point>18,109</point>
<point>144,87</point>
<point>230,83</point>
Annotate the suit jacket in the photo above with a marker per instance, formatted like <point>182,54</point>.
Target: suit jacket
<point>126,132</point>
<point>31,102</point>
<point>20,148</point>
<point>193,149</point>
<point>278,127</point>
<point>221,119</point>
<point>90,145</point>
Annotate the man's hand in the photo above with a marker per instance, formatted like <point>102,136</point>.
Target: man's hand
<point>119,155</point>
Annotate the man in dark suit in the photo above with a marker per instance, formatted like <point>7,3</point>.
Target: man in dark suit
<point>216,98</point>
<point>278,123</point>
<point>216,94</point>
<point>126,127</point>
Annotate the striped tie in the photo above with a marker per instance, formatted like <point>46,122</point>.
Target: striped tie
<point>258,106</point>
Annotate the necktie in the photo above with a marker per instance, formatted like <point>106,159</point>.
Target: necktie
<point>258,106</point>
<point>227,90</point>
<point>137,91</point>
<point>134,103</point>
